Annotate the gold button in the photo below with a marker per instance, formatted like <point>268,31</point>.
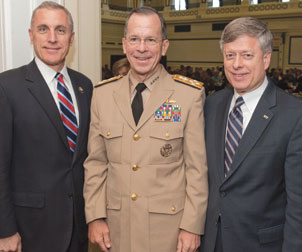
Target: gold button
<point>134,196</point>
<point>136,137</point>
<point>173,208</point>
<point>108,133</point>
<point>134,167</point>
<point>167,134</point>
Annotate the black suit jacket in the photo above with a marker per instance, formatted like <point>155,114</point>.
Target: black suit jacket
<point>260,201</point>
<point>41,182</point>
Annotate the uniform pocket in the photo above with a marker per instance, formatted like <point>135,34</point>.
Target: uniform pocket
<point>113,200</point>
<point>114,218</point>
<point>34,200</point>
<point>167,204</point>
<point>271,234</point>
<point>166,142</point>
<point>165,213</point>
<point>112,134</point>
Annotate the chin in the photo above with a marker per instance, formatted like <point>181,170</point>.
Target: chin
<point>142,71</point>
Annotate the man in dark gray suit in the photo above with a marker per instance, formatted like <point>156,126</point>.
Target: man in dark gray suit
<point>254,150</point>
<point>44,111</point>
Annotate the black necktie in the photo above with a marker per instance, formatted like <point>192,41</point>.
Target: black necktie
<point>137,103</point>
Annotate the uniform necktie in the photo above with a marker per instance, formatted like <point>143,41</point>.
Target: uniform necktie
<point>233,134</point>
<point>67,112</point>
<point>137,103</point>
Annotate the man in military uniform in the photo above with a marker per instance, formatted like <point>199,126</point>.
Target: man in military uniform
<point>146,182</point>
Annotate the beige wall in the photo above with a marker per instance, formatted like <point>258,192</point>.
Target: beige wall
<point>200,46</point>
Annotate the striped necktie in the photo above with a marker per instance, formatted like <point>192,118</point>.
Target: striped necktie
<point>233,134</point>
<point>67,112</point>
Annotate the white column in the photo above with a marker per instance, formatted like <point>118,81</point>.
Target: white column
<point>85,54</point>
<point>15,47</point>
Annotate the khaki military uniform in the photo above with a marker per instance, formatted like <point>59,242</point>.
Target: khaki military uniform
<point>147,180</point>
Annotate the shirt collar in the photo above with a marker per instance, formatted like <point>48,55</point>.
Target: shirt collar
<point>149,82</point>
<point>252,98</point>
<point>48,73</point>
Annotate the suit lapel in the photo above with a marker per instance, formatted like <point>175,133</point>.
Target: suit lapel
<point>122,99</point>
<point>159,95</point>
<point>82,107</point>
<point>258,123</point>
<point>39,89</point>
<point>220,124</point>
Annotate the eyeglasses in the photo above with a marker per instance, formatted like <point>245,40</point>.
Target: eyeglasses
<point>134,41</point>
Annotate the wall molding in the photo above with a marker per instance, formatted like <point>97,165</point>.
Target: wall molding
<point>6,32</point>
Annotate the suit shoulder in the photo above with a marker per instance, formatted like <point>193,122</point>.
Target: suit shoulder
<point>288,99</point>
<point>13,77</point>
<point>220,94</point>
<point>78,75</point>
<point>187,81</point>
<point>104,82</point>
<point>13,72</point>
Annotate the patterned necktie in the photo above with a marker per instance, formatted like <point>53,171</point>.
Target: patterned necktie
<point>67,112</point>
<point>233,134</point>
<point>137,103</point>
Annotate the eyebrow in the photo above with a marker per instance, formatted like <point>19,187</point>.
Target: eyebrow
<point>57,27</point>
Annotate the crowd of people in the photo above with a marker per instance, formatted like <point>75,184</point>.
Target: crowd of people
<point>290,81</point>
<point>214,78</point>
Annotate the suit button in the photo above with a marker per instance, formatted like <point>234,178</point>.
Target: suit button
<point>223,194</point>
<point>108,133</point>
<point>167,135</point>
<point>134,167</point>
<point>173,208</point>
<point>136,137</point>
<point>134,196</point>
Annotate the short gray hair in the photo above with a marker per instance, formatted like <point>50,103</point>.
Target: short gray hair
<point>147,11</point>
<point>251,27</point>
<point>52,6</point>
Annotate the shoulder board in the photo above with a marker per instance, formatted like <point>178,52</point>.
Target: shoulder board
<point>103,82</point>
<point>187,81</point>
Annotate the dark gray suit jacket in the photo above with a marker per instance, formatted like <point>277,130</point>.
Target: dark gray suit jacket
<point>260,202</point>
<point>41,182</point>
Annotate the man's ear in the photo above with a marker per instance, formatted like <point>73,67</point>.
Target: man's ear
<point>165,47</point>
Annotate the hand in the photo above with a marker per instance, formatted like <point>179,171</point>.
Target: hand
<point>11,243</point>
<point>187,242</point>
<point>98,233</point>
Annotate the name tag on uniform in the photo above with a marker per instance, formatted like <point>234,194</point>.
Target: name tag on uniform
<point>168,113</point>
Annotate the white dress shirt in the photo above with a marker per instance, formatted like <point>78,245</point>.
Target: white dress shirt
<point>251,100</point>
<point>49,77</point>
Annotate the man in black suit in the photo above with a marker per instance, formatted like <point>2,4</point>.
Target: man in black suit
<point>43,134</point>
<point>254,150</point>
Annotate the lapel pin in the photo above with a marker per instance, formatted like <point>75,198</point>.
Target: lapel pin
<point>81,90</point>
<point>265,117</point>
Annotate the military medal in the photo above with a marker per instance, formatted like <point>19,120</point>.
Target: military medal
<point>166,150</point>
<point>168,113</point>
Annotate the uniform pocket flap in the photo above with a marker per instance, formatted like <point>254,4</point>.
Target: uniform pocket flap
<point>171,204</point>
<point>166,132</point>
<point>111,131</point>
<point>271,234</point>
<point>35,200</point>
<point>113,201</point>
